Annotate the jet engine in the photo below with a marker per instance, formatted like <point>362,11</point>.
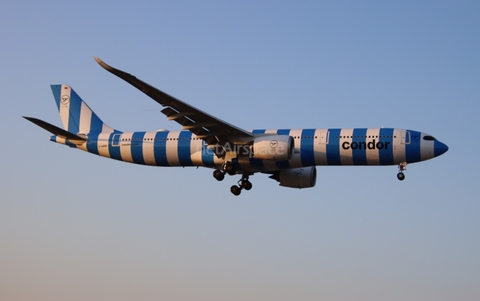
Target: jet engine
<point>304,177</point>
<point>275,147</point>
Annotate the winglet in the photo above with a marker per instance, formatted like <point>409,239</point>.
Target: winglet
<point>131,79</point>
<point>122,74</point>
<point>102,63</point>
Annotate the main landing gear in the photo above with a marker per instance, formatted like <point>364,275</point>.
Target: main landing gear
<point>243,183</point>
<point>227,168</point>
<point>401,167</point>
<point>219,175</point>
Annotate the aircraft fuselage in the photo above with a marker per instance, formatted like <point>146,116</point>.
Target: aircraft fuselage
<point>313,147</point>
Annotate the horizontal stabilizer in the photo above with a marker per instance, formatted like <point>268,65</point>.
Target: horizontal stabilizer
<point>54,130</point>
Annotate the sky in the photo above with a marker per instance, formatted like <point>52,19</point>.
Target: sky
<point>75,226</point>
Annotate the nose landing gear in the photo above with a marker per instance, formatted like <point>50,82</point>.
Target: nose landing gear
<point>402,166</point>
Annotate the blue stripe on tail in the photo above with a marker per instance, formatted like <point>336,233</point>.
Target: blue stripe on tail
<point>74,112</point>
<point>96,125</point>
<point>56,94</point>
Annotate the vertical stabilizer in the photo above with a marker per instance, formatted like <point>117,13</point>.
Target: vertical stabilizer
<point>76,115</point>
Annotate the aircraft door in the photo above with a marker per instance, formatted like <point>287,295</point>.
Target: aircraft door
<point>115,139</point>
<point>405,137</point>
<point>324,135</point>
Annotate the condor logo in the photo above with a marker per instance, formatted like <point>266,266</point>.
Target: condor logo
<point>65,99</point>
<point>365,145</point>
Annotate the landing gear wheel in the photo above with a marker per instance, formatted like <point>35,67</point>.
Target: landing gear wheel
<point>230,169</point>
<point>401,167</point>
<point>218,174</point>
<point>235,190</point>
<point>246,184</point>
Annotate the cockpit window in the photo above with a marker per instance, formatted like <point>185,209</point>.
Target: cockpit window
<point>428,138</point>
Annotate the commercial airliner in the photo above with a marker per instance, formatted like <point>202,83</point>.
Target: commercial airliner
<point>289,156</point>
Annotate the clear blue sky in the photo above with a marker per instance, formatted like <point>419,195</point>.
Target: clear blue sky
<point>74,226</point>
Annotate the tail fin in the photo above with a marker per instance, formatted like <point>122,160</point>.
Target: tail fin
<point>76,115</point>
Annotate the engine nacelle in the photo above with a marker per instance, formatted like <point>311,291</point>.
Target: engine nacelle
<point>275,147</point>
<point>304,177</point>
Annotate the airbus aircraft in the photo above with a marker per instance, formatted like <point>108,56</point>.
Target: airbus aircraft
<point>289,156</point>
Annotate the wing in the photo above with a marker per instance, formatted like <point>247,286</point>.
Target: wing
<point>205,126</point>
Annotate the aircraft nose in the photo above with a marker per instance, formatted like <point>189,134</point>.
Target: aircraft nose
<point>440,148</point>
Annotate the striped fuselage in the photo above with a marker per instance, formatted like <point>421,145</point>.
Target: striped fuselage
<point>359,146</point>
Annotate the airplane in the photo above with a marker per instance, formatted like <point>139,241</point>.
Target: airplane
<point>289,156</point>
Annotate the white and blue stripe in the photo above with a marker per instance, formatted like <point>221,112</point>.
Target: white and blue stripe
<point>313,147</point>
<point>182,148</point>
